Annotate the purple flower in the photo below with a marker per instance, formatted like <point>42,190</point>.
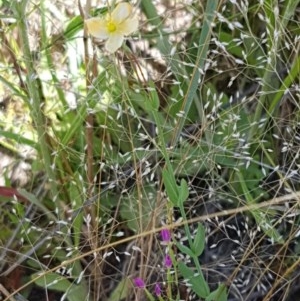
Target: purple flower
<point>165,235</point>
<point>157,289</point>
<point>139,282</point>
<point>168,261</point>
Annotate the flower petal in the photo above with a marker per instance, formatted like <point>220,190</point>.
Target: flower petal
<point>168,261</point>
<point>157,289</point>
<point>165,235</point>
<point>121,12</point>
<point>114,42</point>
<point>129,26</point>
<point>97,28</point>
<point>139,282</point>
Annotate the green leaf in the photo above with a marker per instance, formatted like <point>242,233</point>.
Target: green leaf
<point>121,291</point>
<point>197,282</point>
<point>59,283</point>
<point>171,187</point>
<point>131,208</point>
<point>199,241</point>
<point>185,249</point>
<point>75,25</point>
<point>220,294</point>
<point>75,193</point>
<point>152,102</point>
<point>232,47</point>
<point>261,217</point>
<point>289,79</point>
<point>32,199</point>
<point>203,45</point>
<point>19,139</point>
<point>183,191</point>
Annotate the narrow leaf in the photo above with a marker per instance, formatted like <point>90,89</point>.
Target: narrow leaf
<point>121,291</point>
<point>53,281</point>
<point>183,191</point>
<point>170,186</point>
<point>220,294</point>
<point>197,282</point>
<point>185,250</point>
<point>199,241</point>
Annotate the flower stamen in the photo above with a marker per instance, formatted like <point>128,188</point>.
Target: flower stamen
<point>111,26</point>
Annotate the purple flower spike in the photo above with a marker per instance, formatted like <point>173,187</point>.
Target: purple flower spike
<point>157,289</point>
<point>139,282</point>
<point>168,261</point>
<point>165,235</point>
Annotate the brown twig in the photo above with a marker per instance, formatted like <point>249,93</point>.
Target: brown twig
<point>90,117</point>
<point>91,73</point>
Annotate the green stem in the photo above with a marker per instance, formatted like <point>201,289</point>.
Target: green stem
<point>203,45</point>
<point>163,43</point>
<point>46,48</point>
<point>35,101</point>
<point>164,152</point>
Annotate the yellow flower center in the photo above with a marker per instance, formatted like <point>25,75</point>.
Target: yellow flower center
<point>111,26</point>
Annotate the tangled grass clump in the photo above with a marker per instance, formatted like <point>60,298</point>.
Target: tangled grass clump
<point>167,169</point>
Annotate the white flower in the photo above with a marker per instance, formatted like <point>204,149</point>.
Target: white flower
<point>121,22</point>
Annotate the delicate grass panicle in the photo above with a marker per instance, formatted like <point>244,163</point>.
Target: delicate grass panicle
<point>149,150</point>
